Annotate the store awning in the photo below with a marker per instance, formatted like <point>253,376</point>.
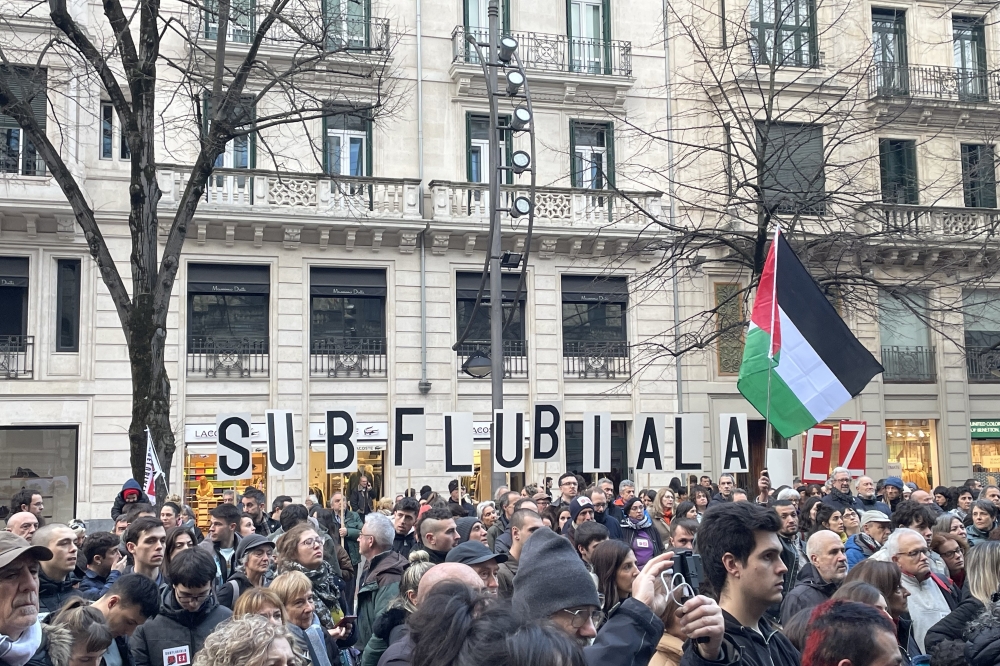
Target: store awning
<point>228,279</point>
<point>13,271</point>
<point>468,286</point>
<point>346,282</point>
<point>591,289</point>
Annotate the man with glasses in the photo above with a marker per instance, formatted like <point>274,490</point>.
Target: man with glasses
<point>189,612</point>
<point>601,514</point>
<point>568,488</point>
<point>840,496</point>
<point>927,603</point>
<point>378,584</point>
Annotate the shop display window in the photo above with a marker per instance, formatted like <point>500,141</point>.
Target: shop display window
<point>203,489</point>
<point>42,459</point>
<point>324,485</point>
<point>986,451</point>
<point>912,444</point>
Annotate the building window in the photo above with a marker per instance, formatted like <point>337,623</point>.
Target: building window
<point>907,354</point>
<point>979,183</point>
<point>898,166</point>
<point>889,42</point>
<point>17,154</point>
<point>595,343</point>
<point>729,327</point>
<point>16,346</point>
<point>476,18</point>
<point>478,148</point>
<point>241,151</point>
<point>619,452</point>
<point>348,23</point>
<point>792,161</point>
<point>347,138</point>
<point>478,339</point>
<point>347,322</point>
<point>969,46</point>
<point>241,24</point>
<point>981,310</point>
<point>589,23</point>
<point>911,444</point>
<point>68,305</point>
<point>43,460</point>
<point>111,134</point>
<point>783,33</point>
<point>593,154</point>
<point>228,320</point>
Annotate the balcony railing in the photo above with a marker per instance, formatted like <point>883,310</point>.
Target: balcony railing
<point>909,365</point>
<point>515,357</point>
<point>296,28</point>
<point>983,364</point>
<point>17,356</point>
<point>348,357</point>
<point>228,357</point>
<point>933,82</point>
<point>554,53</point>
<point>553,206</point>
<point>596,360</point>
<point>321,195</point>
<point>943,220</point>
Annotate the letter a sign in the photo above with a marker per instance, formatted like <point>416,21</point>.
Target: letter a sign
<point>648,433</point>
<point>733,431</point>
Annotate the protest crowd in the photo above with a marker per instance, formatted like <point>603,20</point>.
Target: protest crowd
<point>851,573</point>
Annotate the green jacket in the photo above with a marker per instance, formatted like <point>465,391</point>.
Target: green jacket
<point>378,589</point>
<point>353,523</point>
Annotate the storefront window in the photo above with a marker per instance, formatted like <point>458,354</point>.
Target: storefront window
<point>986,450</point>
<point>42,459</point>
<point>912,445</point>
<point>370,462</point>
<point>203,489</point>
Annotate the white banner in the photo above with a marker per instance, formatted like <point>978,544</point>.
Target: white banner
<point>508,434</point>
<point>733,439</point>
<point>233,446</point>
<point>409,443</point>
<point>547,438</point>
<point>647,442</point>
<point>458,443</point>
<point>341,448</point>
<point>596,442</point>
<point>689,442</point>
<point>280,440</point>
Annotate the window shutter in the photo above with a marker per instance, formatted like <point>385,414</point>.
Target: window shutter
<point>26,81</point>
<point>468,146</point>
<point>610,139</point>
<point>369,149</point>
<point>325,148</point>
<point>885,169</point>
<point>910,172</point>
<point>606,30</point>
<point>574,170</point>
<point>569,20</point>
<point>793,178</point>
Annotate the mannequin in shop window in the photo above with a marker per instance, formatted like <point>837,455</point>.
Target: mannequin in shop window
<point>917,476</point>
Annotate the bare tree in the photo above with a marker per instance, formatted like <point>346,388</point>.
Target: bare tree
<point>188,79</point>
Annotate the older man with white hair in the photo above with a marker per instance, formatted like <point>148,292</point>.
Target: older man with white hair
<point>840,496</point>
<point>867,500</point>
<point>929,600</point>
<point>819,579</point>
<point>378,583</point>
<point>24,524</point>
<point>20,630</point>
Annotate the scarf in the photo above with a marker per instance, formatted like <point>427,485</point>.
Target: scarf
<point>643,524</point>
<point>867,542</point>
<point>19,652</point>
<point>846,498</point>
<point>325,591</point>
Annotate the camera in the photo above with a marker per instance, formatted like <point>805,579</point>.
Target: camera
<point>688,565</point>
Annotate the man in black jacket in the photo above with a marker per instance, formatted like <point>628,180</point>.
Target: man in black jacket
<point>132,599</point>
<point>404,515</point>
<point>223,540</point>
<point>741,556</point>
<point>362,498</point>
<point>840,496</point>
<point>727,483</point>
<point>189,612</point>
<point>455,498</point>
<point>56,582</point>
<point>818,580</point>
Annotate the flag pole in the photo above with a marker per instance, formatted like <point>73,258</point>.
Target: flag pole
<point>770,346</point>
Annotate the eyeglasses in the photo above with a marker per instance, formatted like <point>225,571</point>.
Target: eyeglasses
<point>952,553</point>
<point>370,536</point>
<point>310,542</point>
<point>568,483</point>
<point>582,615</point>
<point>920,552</point>
<point>194,598</point>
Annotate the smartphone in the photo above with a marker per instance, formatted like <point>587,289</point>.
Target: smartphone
<point>688,565</point>
<point>347,620</point>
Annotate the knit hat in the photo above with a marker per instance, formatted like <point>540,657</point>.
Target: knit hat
<point>894,481</point>
<point>628,505</point>
<point>464,526</point>
<point>251,542</point>
<point>130,494</point>
<point>453,485</point>
<point>425,492</point>
<point>551,577</point>
<point>578,504</point>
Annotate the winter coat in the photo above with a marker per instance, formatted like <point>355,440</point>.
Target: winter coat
<point>810,591</point>
<point>465,506</point>
<point>399,653</point>
<point>952,626</point>
<point>378,589</point>
<point>93,587</point>
<point>353,523</point>
<point>362,501</point>
<point>503,542</point>
<point>403,544</point>
<point>669,651</point>
<point>224,567</point>
<point>505,578</point>
<point>857,550</point>
<point>53,594</point>
<point>663,529</point>
<point>629,636</point>
<point>498,528</point>
<point>56,647</point>
<point>613,524</point>
<point>389,627</point>
<point>982,646</point>
<point>746,647</point>
<point>927,604</point>
<point>841,501</point>
<point>231,590</point>
<point>120,503</point>
<point>975,535</point>
<point>175,627</point>
<point>719,497</point>
<point>629,534</point>
<point>873,504</point>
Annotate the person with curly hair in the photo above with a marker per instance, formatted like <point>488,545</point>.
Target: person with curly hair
<point>248,641</point>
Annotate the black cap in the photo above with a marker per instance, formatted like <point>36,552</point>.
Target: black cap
<point>473,552</point>
<point>250,542</point>
<point>453,485</point>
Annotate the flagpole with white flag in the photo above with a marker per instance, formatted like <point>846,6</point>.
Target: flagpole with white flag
<point>153,469</point>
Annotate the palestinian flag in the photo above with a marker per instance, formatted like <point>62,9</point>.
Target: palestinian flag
<point>796,338</point>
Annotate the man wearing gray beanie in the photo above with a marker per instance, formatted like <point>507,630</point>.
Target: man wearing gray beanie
<point>552,582</point>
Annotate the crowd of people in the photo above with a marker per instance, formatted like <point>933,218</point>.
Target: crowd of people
<point>849,573</point>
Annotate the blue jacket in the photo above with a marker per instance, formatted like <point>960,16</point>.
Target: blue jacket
<point>94,587</point>
<point>614,528</point>
<point>856,551</point>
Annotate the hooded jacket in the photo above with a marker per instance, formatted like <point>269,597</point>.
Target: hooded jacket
<point>224,566</point>
<point>53,594</point>
<point>378,589</point>
<point>56,647</point>
<point>982,636</point>
<point>119,506</point>
<point>873,504</point>
<point>810,591</point>
<point>404,544</point>
<point>746,647</point>
<point>175,627</point>
<point>669,651</point>
<point>857,550</point>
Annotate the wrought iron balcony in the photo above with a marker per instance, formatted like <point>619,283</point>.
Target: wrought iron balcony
<point>17,356</point>
<point>957,84</point>
<point>948,221</point>
<point>228,357</point>
<point>909,365</point>
<point>983,364</point>
<point>515,357</point>
<point>596,360</point>
<point>348,357</point>
<point>296,28</point>
<point>554,53</point>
